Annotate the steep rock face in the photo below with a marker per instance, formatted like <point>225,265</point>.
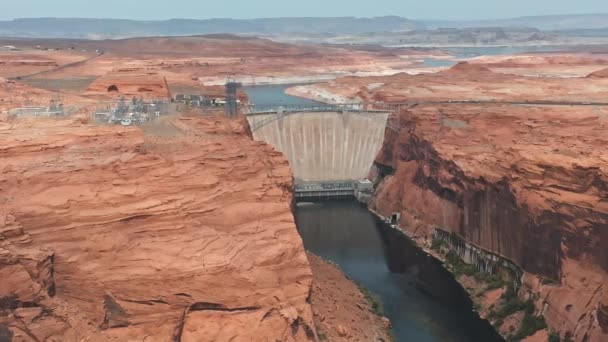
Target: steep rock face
<point>107,235</point>
<point>528,184</point>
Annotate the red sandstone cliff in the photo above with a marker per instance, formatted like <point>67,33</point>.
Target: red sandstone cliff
<point>526,183</point>
<point>107,235</point>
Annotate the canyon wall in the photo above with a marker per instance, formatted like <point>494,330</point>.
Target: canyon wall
<point>525,184</point>
<point>325,145</point>
<point>107,234</point>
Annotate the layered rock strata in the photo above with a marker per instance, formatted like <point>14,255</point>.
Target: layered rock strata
<point>108,235</point>
<point>464,81</point>
<point>524,184</point>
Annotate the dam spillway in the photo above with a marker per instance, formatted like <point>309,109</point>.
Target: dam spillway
<point>325,145</point>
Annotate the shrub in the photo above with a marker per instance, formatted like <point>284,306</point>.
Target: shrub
<point>495,284</point>
<point>509,293</point>
<point>453,259</point>
<point>469,270</point>
<point>529,326</point>
<point>436,244</point>
<point>514,304</point>
<point>554,337</point>
<point>320,334</point>
<point>511,307</point>
<point>374,300</point>
<point>459,267</point>
<point>546,281</point>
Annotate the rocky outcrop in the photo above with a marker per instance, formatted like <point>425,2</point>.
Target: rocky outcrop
<point>528,185</point>
<point>131,84</point>
<point>463,82</point>
<point>14,94</point>
<point>342,312</point>
<point>599,74</point>
<point>110,235</point>
<point>469,68</point>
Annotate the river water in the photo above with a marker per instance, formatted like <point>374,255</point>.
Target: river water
<point>421,298</point>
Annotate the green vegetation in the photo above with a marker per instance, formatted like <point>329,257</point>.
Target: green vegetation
<point>437,245</point>
<point>453,259</point>
<point>512,305</point>
<point>529,326</point>
<point>320,334</point>
<point>374,300</point>
<point>546,281</point>
<point>511,301</point>
<point>554,337</point>
<point>459,268</point>
<point>498,323</point>
<point>493,281</point>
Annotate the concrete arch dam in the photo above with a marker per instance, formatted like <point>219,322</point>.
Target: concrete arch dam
<point>325,145</point>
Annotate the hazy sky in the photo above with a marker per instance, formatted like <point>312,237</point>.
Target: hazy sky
<point>202,9</point>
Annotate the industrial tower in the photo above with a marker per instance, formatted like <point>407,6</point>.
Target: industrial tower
<point>231,98</point>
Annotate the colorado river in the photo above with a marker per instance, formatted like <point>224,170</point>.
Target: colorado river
<point>421,299</point>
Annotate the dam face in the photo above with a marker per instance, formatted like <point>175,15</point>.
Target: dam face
<point>324,146</point>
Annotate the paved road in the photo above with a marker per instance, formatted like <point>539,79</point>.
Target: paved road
<point>388,107</point>
<point>65,66</point>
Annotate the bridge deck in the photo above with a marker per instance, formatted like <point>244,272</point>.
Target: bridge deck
<point>331,189</point>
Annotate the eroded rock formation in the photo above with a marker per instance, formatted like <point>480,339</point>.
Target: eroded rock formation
<point>108,235</point>
<point>127,84</point>
<point>529,184</point>
<point>599,74</point>
<point>464,81</point>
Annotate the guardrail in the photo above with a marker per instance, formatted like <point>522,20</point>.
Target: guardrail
<point>287,110</point>
<point>325,189</point>
<point>322,107</point>
<point>383,107</point>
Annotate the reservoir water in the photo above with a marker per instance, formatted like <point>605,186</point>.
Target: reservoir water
<point>421,298</point>
<point>476,51</point>
<point>275,95</point>
<point>465,52</point>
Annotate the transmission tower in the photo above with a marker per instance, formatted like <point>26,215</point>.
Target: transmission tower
<point>231,97</point>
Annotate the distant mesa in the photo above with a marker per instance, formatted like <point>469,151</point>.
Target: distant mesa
<point>599,74</point>
<point>468,67</point>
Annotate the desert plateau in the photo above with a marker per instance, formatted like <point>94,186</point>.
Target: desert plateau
<point>304,179</point>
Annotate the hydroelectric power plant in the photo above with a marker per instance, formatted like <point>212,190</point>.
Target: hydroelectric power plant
<point>331,149</point>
